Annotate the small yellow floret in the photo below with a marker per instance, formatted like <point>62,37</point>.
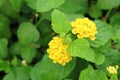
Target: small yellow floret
<point>84,27</point>
<point>57,51</point>
<point>112,69</point>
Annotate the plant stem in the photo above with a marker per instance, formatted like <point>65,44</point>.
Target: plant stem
<point>40,20</point>
<point>107,15</point>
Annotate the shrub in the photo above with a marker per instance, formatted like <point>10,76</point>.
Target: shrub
<point>59,39</point>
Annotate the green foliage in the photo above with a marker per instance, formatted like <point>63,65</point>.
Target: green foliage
<point>91,74</point>
<point>73,16</point>
<point>117,34</point>
<point>94,11</point>
<point>32,3</point>
<point>113,77</point>
<point>16,4</point>
<point>108,4</point>
<point>103,35</point>
<point>27,27</point>
<point>47,70</point>
<point>59,22</point>
<point>77,6</point>
<point>3,48</point>
<point>99,58</point>
<point>114,20</point>
<point>4,27</point>
<point>27,34</point>
<point>80,48</point>
<point>1,2</point>
<point>18,73</point>
<point>6,9</point>
<point>14,61</point>
<point>110,59</point>
<point>46,5</point>
<point>4,66</point>
<point>15,49</point>
<point>28,53</point>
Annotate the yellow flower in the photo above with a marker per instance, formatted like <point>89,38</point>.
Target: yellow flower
<point>57,51</point>
<point>84,27</point>
<point>112,69</point>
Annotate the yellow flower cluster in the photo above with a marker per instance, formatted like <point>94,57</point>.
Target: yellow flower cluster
<point>84,27</point>
<point>112,69</point>
<point>57,51</point>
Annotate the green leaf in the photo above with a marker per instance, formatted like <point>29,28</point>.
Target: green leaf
<point>4,27</point>
<point>80,65</point>
<point>18,73</point>
<point>45,40</point>
<point>27,33</point>
<point>115,22</point>
<point>80,48</point>
<point>59,22</point>
<point>15,49</point>
<point>113,56</point>
<point>72,6</point>
<point>85,72</point>
<point>95,12</point>
<point>83,4</point>
<point>31,3</point>
<point>45,27</point>
<point>46,5</point>
<point>28,53</point>
<point>7,9</point>
<point>111,59</point>
<point>99,58</point>
<point>103,66</point>
<point>90,74</point>
<point>2,2</point>
<point>16,4</point>
<point>14,61</point>
<point>104,34</point>
<point>47,15</point>
<point>4,66</point>
<point>73,16</point>
<point>3,48</point>
<point>47,70</point>
<point>117,34</point>
<point>108,4</point>
<point>113,77</point>
<point>105,48</point>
